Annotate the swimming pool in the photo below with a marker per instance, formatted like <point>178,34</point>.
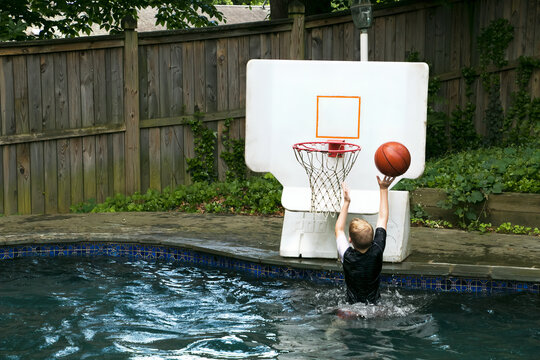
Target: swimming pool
<point>122,308</point>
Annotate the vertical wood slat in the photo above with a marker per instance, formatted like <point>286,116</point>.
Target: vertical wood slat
<point>390,39</point>
<point>20,89</point>
<point>143,106</point>
<point>265,49</point>
<point>193,95</point>
<point>399,38</point>
<point>254,43</point>
<point>49,122</point>
<point>116,98</point>
<point>316,44</point>
<point>87,119</point>
<point>337,42</point>
<point>62,122</point>
<point>37,185</point>
<point>379,28</point>
<point>222,100</point>
<point>176,109</point>
<point>348,41</point>
<point>75,121</point>
<point>327,43</point>
<point>154,138</point>
<point>165,104</point>
<point>131,111</point>
<point>100,113</point>
<point>211,80</point>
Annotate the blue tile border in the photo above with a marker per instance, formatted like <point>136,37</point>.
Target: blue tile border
<point>189,256</point>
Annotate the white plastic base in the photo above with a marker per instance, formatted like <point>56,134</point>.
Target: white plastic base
<point>310,235</point>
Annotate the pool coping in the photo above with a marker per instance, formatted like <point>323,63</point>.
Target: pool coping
<point>490,272</point>
<point>185,231</point>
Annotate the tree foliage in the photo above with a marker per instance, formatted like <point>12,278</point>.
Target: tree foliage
<point>71,18</point>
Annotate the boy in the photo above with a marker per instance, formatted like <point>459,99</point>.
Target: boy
<point>362,253</point>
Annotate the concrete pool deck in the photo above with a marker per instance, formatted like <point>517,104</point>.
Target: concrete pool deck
<point>434,252</point>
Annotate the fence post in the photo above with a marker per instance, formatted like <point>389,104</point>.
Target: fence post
<point>131,106</point>
<point>297,13</point>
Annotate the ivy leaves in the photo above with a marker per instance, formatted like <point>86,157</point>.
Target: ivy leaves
<point>469,178</point>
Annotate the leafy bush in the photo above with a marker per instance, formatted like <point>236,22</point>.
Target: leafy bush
<point>256,195</point>
<point>470,177</point>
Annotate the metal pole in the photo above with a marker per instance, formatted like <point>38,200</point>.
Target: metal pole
<point>363,45</point>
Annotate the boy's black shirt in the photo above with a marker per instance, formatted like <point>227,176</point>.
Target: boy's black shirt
<point>362,271</point>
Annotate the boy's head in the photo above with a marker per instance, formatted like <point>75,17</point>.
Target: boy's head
<point>361,234</point>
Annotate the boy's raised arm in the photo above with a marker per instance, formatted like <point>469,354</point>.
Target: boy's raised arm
<point>382,220</point>
<point>342,218</point>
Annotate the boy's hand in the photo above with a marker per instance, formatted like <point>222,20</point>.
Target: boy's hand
<point>385,182</point>
<point>346,195</point>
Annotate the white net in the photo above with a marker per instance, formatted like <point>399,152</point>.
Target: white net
<point>326,169</point>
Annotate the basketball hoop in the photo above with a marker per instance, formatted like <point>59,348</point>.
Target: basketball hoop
<point>327,164</point>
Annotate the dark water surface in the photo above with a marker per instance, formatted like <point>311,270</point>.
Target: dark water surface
<point>113,308</point>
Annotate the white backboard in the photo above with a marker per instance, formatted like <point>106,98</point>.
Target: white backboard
<point>364,103</point>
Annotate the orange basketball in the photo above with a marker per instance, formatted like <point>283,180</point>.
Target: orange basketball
<point>392,158</point>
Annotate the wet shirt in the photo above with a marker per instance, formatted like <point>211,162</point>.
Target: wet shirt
<point>362,271</point>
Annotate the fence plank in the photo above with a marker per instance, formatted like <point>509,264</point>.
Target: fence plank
<point>10,179</point>
<point>62,122</point>
<point>210,50</point>
<point>166,157</point>
<point>178,172</point>
<point>390,39</point>
<point>154,156</point>
<point>20,90</point>
<point>379,28</point>
<point>399,38</point>
<point>254,43</point>
<point>37,186</point>
<point>285,45</point>
<point>348,42</point>
<point>222,100</point>
<point>143,106</point>
<point>165,107</point>
<point>64,175</point>
<point>177,102</point>
<point>337,42</point>
<point>177,149</point>
<point>193,84</point>
<point>154,137</point>
<point>117,165</point>
<point>131,111</point>
<point>102,168</point>
<point>327,43</point>
<point>233,73</point>
<point>265,47</point>
<point>87,120</point>
<point>7,101</point>
<point>243,58</point>
<point>316,44</point>
<point>274,43</point>
<point>145,159</point>
<point>49,123</point>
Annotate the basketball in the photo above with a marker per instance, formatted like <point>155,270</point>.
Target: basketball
<point>392,159</point>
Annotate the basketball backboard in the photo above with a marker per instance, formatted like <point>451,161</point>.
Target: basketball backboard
<point>364,103</point>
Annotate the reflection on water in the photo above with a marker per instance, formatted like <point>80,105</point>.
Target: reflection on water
<point>67,308</point>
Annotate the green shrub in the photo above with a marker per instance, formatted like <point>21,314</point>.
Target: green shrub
<point>470,177</point>
<point>256,195</point>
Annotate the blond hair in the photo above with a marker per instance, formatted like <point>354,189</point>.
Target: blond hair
<point>361,234</point>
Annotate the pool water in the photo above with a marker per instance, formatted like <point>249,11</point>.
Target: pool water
<point>114,308</point>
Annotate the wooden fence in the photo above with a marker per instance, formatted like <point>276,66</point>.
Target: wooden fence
<point>88,118</point>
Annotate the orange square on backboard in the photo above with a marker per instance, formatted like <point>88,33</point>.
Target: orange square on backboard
<point>338,117</point>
